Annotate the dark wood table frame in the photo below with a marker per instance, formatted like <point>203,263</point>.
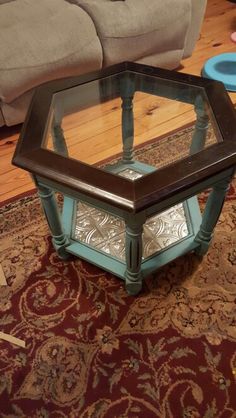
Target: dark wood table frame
<point>133,201</point>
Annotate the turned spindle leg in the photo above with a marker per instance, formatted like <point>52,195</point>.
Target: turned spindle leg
<point>133,257</point>
<point>59,239</point>
<point>211,215</point>
<point>127,94</point>
<point>58,139</point>
<point>201,127</point>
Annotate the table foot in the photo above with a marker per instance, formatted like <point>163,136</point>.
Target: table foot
<point>60,243</point>
<point>203,247</point>
<point>133,287</point>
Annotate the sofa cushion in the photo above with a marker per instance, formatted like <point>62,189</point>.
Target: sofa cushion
<point>198,9</point>
<point>132,29</point>
<point>5,1</point>
<point>15,112</point>
<point>165,59</point>
<point>44,40</point>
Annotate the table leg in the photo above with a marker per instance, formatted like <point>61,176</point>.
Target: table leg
<point>58,139</point>
<point>200,132</point>
<point>211,215</point>
<point>127,94</point>
<point>59,238</point>
<point>133,251</point>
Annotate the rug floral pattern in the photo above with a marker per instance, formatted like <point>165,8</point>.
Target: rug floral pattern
<point>92,351</point>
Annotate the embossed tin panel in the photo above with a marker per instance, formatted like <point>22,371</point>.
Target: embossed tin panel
<point>106,233</point>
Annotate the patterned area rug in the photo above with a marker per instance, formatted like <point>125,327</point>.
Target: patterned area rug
<point>92,351</point>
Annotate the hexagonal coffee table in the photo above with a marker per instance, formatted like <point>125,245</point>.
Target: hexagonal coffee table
<point>129,216</point>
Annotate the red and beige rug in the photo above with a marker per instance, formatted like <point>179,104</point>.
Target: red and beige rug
<point>92,351</point>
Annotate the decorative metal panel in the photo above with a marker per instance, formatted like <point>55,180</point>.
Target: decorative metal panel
<point>106,232</point>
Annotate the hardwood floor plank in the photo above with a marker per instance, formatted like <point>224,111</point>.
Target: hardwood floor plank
<point>23,188</point>
<point>13,180</point>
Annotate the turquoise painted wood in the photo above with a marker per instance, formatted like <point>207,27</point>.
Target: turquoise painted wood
<point>184,246</point>
<point>211,214</point>
<point>98,258</point>
<point>105,261</point>
<point>159,260</point>
<point>201,127</point>
<point>127,89</point>
<point>193,215</point>
<point>135,269</point>
<point>68,215</point>
<point>58,140</point>
<point>59,239</point>
<point>151,264</point>
<point>133,253</point>
<point>134,165</point>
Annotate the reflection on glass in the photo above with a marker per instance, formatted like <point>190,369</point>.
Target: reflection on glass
<point>107,123</point>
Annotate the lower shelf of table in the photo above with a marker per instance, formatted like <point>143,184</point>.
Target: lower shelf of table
<point>99,237</point>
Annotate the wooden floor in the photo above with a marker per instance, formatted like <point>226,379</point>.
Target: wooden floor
<point>219,22</point>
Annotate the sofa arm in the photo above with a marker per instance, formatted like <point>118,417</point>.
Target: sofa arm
<point>198,8</point>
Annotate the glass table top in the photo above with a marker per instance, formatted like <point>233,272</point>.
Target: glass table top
<point>107,123</point>
<point>87,135</point>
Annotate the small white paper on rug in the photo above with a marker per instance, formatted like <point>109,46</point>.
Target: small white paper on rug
<point>3,281</point>
<point>12,339</point>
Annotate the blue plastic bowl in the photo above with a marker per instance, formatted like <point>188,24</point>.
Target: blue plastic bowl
<point>222,67</point>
